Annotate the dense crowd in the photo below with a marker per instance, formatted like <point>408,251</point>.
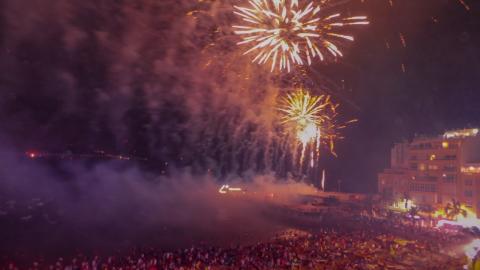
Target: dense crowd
<point>325,249</point>
<point>336,240</point>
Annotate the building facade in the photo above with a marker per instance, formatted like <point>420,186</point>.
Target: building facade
<point>434,170</point>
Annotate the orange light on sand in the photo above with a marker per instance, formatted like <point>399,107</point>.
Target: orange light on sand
<point>468,221</point>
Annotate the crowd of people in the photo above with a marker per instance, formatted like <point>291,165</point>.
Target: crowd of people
<point>328,240</point>
<point>323,249</point>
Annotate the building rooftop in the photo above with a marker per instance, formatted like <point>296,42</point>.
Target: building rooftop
<point>461,133</point>
<point>451,134</point>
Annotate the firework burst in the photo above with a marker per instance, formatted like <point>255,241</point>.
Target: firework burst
<point>313,120</point>
<point>291,32</point>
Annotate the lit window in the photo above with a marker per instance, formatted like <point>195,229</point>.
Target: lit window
<point>433,157</point>
<point>421,167</point>
<point>445,145</point>
<point>471,169</point>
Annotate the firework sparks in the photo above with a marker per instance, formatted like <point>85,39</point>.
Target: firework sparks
<point>291,32</point>
<point>312,118</point>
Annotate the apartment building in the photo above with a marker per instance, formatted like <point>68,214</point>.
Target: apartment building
<point>434,170</point>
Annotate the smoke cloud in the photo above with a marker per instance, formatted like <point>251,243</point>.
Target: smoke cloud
<point>161,80</point>
<point>114,206</point>
<point>157,79</point>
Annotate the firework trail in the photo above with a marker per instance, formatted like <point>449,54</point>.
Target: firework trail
<point>284,33</point>
<point>465,5</point>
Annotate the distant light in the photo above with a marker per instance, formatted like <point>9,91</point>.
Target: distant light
<point>226,188</point>
<point>223,189</point>
<point>422,167</point>
<point>445,145</point>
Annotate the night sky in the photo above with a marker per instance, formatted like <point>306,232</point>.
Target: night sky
<point>124,78</point>
<point>437,92</point>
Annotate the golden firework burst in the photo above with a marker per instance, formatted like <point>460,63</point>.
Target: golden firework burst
<point>291,32</point>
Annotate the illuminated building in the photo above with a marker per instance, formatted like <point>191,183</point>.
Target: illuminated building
<point>470,186</point>
<point>392,181</point>
<point>434,170</point>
